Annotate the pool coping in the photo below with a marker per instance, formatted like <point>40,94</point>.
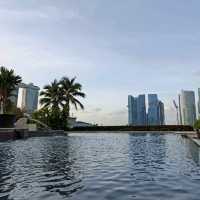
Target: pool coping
<point>193,138</point>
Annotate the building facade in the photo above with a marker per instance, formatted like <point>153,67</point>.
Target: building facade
<point>141,110</point>
<point>156,111</point>
<point>137,115</point>
<point>161,113</point>
<point>136,110</point>
<point>153,109</point>
<point>180,112</point>
<point>30,95</point>
<point>132,111</point>
<point>187,107</point>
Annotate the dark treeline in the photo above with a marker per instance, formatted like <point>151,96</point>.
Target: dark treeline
<point>135,128</point>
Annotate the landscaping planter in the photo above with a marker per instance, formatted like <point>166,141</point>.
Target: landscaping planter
<point>7,121</point>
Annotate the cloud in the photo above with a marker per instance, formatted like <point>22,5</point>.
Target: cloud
<point>197,73</point>
<point>40,11</point>
<point>142,50</point>
<point>97,109</point>
<point>121,112</point>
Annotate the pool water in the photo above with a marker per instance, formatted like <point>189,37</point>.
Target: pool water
<point>100,166</point>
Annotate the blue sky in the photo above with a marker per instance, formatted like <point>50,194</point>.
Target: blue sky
<point>113,47</point>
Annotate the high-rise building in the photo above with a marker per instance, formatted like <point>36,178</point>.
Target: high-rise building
<point>156,111</point>
<point>187,107</point>
<point>161,113</point>
<point>132,113</point>
<point>136,110</point>
<point>153,109</point>
<point>30,95</point>
<point>141,110</point>
<point>180,111</point>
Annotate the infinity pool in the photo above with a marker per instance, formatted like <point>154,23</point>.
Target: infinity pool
<point>100,166</point>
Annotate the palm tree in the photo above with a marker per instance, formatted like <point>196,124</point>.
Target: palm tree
<point>52,97</point>
<point>8,83</point>
<point>71,90</point>
<point>57,98</point>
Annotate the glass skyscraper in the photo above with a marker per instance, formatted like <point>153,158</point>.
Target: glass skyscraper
<point>187,107</point>
<point>161,113</point>
<point>132,113</point>
<point>30,98</point>
<point>141,110</point>
<point>156,114</point>
<point>153,109</point>
<point>136,110</point>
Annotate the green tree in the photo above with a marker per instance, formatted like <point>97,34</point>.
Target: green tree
<point>197,124</point>
<point>52,104</point>
<point>71,90</point>
<point>51,96</point>
<point>43,115</point>
<point>56,100</point>
<point>8,83</point>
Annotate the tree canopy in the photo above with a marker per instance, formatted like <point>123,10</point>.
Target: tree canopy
<point>8,83</point>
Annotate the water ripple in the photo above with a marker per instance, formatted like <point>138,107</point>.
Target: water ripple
<point>100,166</point>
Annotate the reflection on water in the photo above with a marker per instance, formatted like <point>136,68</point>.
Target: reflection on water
<point>100,166</point>
<point>193,151</point>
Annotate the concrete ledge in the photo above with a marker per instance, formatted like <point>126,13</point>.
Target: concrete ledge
<point>193,137</point>
<point>13,134</point>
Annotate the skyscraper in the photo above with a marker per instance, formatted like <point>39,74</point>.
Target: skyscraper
<point>161,113</point>
<point>187,107</point>
<point>180,111</point>
<point>153,109</point>
<point>141,110</point>
<point>30,95</point>
<point>132,112</point>
<point>136,110</point>
<point>156,111</point>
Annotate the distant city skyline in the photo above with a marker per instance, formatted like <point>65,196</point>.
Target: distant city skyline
<point>114,48</point>
<point>142,113</point>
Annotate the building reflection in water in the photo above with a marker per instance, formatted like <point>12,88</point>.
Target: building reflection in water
<point>193,151</point>
<point>61,171</point>
<point>39,164</point>
<point>146,155</point>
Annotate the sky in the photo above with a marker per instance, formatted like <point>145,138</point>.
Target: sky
<point>113,47</point>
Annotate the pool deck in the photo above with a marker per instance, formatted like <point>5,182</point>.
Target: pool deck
<point>193,137</point>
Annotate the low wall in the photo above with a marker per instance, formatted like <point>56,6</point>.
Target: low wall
<point>13,134</point>
<point>7,135</point>
<point>42,133</point>
<point>135,128</point>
